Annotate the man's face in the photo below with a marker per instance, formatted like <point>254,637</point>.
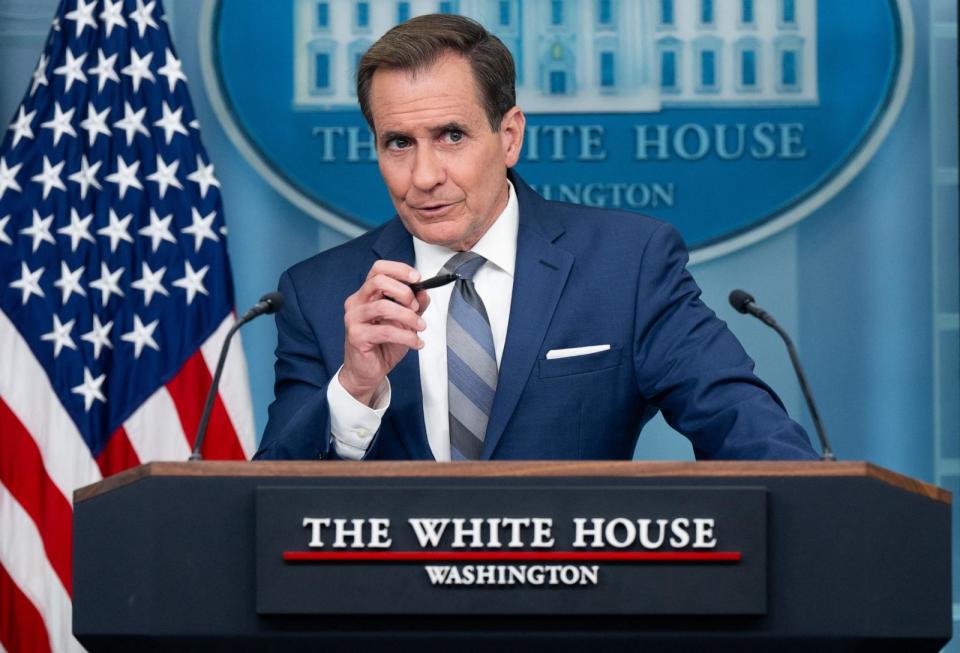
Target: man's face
<point>444,167</point>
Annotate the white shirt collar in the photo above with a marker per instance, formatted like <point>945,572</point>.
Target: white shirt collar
<point>498,245</point>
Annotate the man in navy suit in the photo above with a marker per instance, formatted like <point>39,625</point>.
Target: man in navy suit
<point>580,323</point>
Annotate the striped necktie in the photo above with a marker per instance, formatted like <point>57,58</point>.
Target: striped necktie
<point>471,360</point>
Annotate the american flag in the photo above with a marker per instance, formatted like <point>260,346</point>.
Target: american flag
<point>115,294</point>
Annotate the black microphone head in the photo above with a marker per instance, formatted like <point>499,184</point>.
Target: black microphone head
<point>740,299</point>
<point>273,301</point>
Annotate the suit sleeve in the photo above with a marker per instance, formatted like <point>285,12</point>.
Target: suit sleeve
<point>690,364</point>
<point>298,427</point>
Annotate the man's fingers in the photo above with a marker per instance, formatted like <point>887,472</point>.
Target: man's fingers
<point>423,300</point>
<point>395,269</point>
<point>369,336</point>
<point>384,310</point>
<point>378,287</point>
<point>381,322</point>
<point>383,286</point>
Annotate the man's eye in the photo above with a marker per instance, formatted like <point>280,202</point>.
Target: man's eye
<point>398,143</point>
<point>454,136</point>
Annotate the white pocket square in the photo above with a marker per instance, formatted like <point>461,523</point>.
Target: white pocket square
<point>576,351</point>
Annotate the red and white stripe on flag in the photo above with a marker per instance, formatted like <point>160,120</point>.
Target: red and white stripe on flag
<point>115,294</point>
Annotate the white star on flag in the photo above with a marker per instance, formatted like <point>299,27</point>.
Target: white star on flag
<point>39,230</point>
<point>69,282</point>
<point>201,229</point>
<point>60,336</point>
<point>86,176</point>
<point>117,230</point>
<point>83,15</point>
<point>50,177</point>
<point>4,238</point>
<point>132,122</point>
<point>78,229</point>
<point>165,176</point>
<point>138,69</point>
<point>21,125</point>
<point>107,284</point>
<point>203,176</point>
<point>158,230</point>
<point>143,16</point>
<point>60,123</point>
<point>8,177</point>
<point>95,123</point>
<point>112,15</point>
<point>72,70</point>
<point>104,70</point>
<point>172,69</point>
<point>40,74</point>
<point>98,335</point>
<point>151,283</point>
<point>192,281</point>
<point>90,389</point>
<point>125,176</point>
<point>28,283</point>
<point>171,123</point>
<point>141,336</point>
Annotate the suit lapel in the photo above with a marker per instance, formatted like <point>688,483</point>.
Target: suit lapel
<point>395,244</point>
<point>540,275</point>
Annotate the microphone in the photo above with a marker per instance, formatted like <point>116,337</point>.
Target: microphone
<point>743,302</point>
<point>269,303</point>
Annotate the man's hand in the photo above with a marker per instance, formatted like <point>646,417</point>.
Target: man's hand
<point>381,321</point>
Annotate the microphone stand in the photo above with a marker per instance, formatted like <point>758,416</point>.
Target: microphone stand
<point>743,302</point>
<point>269,303</point>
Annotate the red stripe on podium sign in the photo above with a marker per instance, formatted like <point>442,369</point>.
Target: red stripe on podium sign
<point>531,556</point>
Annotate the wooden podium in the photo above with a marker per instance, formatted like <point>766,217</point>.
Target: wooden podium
<point>181,556</point>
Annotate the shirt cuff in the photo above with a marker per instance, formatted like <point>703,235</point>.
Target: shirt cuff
<point>352,423</point>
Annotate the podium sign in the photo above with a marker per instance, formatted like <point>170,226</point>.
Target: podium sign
<point>538,550</point>
<point>564,556</point>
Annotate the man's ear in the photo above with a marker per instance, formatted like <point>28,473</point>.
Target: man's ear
<point>511,134</point>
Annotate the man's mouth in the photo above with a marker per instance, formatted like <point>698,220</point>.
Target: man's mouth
<point>434,210</point>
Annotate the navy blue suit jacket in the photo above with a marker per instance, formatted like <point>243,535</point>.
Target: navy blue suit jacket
<point>583,277</point>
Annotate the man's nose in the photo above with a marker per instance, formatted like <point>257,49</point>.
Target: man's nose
<point>428,170</point>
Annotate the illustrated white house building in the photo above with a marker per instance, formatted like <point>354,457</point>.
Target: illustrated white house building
<point>589,55</point>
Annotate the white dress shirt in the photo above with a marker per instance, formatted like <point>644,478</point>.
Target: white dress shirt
<point>352,423</point>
